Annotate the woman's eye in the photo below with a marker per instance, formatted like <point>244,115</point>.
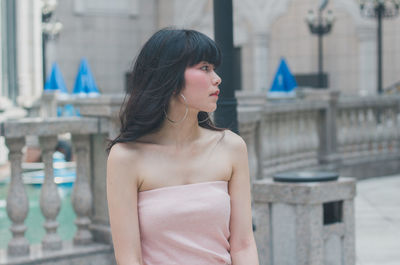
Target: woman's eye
<point>205,68</point>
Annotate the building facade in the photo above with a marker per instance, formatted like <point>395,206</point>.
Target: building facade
<point>110,33</point>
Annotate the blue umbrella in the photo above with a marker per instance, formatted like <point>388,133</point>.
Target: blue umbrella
<point>55,82</point>
<point>85,84</point>
<point>284,84</point>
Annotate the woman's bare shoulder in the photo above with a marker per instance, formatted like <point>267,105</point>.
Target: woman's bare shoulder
<point>123,162</point>
<point>124,152</point>
<point>233,142</point>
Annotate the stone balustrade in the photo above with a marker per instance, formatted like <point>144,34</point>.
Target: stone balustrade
<point>369,128</point>
<point>359,137</point>
<point>320,130</point>
<point>52,247</point>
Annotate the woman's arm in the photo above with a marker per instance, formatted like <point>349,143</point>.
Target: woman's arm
<point>122,185</point>
<point>242,243</point>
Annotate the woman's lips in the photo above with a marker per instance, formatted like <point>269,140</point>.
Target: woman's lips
<point>215,94</point>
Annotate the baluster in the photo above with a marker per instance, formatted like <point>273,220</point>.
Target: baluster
<point>353,132</point>
<point>314,136</point>
<point>380,130</point>
<point>341,130</point>
<point>309,135</point>
<point>294,153</point>
<point>273,143</point>
<point>275,137</point>
<point>266,131</point>
<point>287,138</point>
<point>347,135</point>
<point>360,127</point>
<point>282,140</point>
<point>17,200</point>
<point>397,128</point>
<point>394,130</point>
<point>298,158</point>
<point>293,139</point>
<point>266,137</point>
<point>364,131</point>
<point>50,201</point>
<point>372,127</point>
<point>303,135</point>
<point>82,194</point>
<point>386,130</point>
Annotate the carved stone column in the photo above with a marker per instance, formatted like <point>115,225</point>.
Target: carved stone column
<point>29,26</point>
<point>260,59</point>
<point>82,195</point>
<point>260,15</point>
<point>50,201</point>
<point>17,200</point>
<point>367,60</point>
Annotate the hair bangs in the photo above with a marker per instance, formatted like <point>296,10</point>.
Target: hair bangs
<point>202,48</point>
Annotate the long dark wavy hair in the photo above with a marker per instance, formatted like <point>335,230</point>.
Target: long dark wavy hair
<point>157,75</point>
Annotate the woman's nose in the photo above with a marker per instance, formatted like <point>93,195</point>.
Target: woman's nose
<point>217,80</point>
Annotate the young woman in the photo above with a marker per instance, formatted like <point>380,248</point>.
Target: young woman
<point>178,187</point>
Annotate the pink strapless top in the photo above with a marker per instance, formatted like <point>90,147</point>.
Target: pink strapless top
<point>185,224</point>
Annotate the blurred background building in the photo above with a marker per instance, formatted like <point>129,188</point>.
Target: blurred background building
<point>110,33</point>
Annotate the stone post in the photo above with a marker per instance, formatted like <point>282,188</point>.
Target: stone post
<point>82,194</point>
<point>17,200</point>
<point>106,109</point>
<point>48,105</point>
<point>295,224</point>
<point>50,201</point>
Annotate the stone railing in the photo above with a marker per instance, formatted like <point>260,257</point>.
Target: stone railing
<point>368,129</point>
<point>350,135</point>
<point>321,130</point>
<point>53,249</point>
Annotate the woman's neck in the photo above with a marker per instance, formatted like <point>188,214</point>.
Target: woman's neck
<point>182,133</point>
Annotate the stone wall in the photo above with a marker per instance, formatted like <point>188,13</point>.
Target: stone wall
<point>107,36</point>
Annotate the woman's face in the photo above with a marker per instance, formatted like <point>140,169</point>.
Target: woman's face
<point>201,87</point>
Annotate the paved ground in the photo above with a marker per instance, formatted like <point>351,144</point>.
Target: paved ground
<point>377,207</point>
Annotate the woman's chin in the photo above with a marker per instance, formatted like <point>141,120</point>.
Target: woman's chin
<point>213,108</point>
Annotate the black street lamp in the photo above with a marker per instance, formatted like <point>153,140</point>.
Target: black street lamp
<point>49,29</point>
<point>379,9</point>
<point>226,114</point>
<point>320,25</point>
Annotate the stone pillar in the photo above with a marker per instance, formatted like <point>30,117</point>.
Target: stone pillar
<point>367,61</point>
<point>249,128</point>
<point>295,224</point>
<point>349,240</point>
<point>262,234</point>
<point>17,200</point>
<point>260,59</point>
<point>100,223</point>
<point>50,201</point>
<point>29,27</point>
<point>328,153</point>
<point>82,194</point>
